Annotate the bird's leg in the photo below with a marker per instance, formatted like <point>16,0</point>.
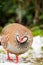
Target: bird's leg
<point>8,57</point>
<point>17,59</point>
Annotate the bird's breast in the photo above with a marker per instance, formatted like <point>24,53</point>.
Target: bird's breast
<point>16,49</point>
<point>12,48</point>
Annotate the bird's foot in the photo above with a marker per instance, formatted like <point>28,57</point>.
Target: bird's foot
<point>16,59</point>
<point>10,59</point>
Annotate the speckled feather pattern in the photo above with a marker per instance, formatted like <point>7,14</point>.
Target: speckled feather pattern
<point>10,31</point>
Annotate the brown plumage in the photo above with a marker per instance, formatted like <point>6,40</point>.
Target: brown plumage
<point>16,39</point>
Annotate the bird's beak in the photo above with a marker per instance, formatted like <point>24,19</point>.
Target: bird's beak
<point>20,40</point>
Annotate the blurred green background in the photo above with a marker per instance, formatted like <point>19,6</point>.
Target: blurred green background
<point>26,12</point>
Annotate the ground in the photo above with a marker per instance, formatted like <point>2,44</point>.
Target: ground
<point>33,56</point>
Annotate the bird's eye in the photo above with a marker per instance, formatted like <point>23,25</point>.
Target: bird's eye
<point>17,37</point>
<point>24,39</point>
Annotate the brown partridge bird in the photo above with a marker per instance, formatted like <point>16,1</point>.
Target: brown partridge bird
<point>16,39</point>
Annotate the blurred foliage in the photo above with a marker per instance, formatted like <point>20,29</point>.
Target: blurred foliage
<point>0,29</point>
<point>26,12</point>
<point>37,31</point>
<point>2,51</point>
<point>42,48</point>
<point>31,48</point>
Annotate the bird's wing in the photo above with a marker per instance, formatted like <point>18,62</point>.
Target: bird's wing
<point>4,41</point>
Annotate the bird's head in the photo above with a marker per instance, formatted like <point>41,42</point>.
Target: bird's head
<point>22,39</point>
